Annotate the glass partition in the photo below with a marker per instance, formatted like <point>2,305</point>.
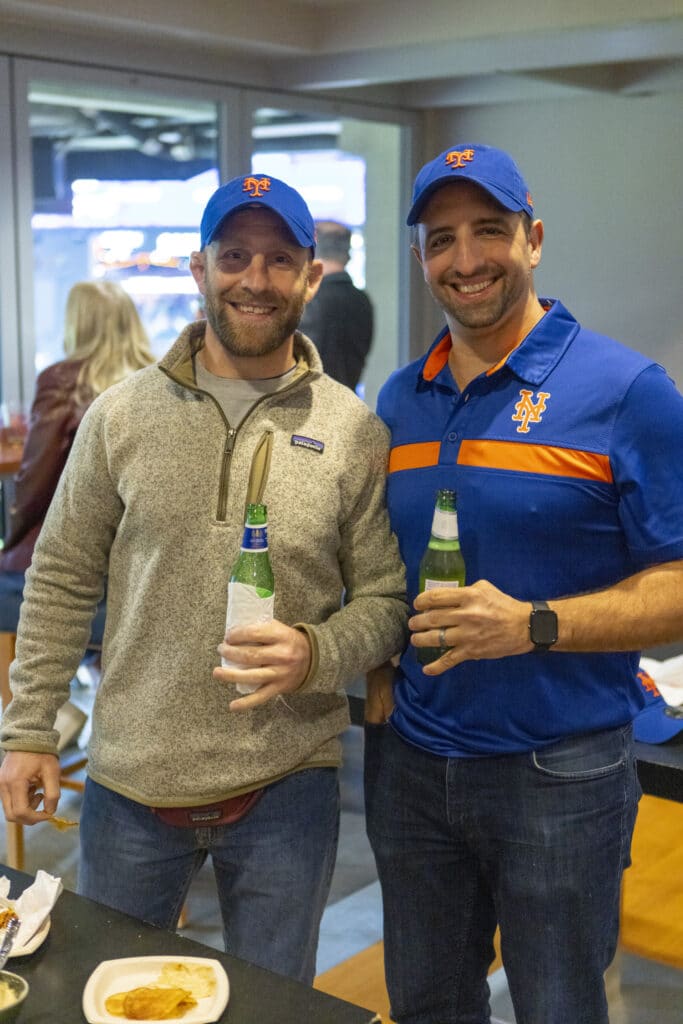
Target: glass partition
<point>120,179</point>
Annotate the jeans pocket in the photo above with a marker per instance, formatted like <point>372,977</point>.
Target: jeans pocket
<point>588,756</point>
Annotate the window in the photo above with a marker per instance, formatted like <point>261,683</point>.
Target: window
<point>120,180</point>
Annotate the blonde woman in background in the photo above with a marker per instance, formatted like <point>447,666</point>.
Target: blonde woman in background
<point>104,341</point>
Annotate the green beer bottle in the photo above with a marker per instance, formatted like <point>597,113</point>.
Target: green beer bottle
<point>251,587</point>
<point>442,564</point>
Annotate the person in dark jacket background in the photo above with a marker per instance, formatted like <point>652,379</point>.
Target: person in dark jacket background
<point>339,319</point>
<point>104,341</point>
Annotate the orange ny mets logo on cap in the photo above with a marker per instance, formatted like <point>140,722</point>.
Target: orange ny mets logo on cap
<point>648,683</point>
<point>527,411</point>
<point>256,186</point>
<point>459,157</point>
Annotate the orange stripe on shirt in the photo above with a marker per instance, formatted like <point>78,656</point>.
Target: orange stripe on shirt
<point>535,458</point>
<point>414,456</point>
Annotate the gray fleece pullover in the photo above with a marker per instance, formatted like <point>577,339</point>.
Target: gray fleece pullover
<point>154,495</point>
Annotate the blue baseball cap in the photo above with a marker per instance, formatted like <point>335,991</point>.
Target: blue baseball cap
<point>258,190</point>
<point>658,721</point>
<point>492,169</point>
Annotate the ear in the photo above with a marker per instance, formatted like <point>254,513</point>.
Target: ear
<point>535,243</point>
<point>315,276</point>
<point>198,269</point>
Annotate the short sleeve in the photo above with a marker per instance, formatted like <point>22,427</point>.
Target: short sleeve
<point>646,455</point>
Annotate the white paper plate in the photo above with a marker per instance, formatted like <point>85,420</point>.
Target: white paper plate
<point>36,939</point>
<point>32,945</point>
<point>121,975</point>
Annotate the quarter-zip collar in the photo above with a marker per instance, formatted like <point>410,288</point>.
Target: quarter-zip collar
<point>178,363</point>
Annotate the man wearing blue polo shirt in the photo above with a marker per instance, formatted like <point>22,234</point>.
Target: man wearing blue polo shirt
<point>500,780</point>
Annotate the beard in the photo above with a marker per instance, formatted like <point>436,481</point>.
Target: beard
<point>486,313</point>
<point>252,339</point>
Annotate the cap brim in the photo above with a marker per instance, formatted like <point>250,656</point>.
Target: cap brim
<point>505,200</point>
<point>301,236</point>
<point>653,725</point>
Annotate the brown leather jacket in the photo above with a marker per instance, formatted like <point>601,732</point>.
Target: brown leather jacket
<point>56,413</point>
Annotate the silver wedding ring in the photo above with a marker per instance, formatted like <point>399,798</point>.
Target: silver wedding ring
<point>442,638</point>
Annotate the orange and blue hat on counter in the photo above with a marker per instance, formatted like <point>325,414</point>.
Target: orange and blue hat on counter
<point>492,169</point>
<point>259,190</point>
<point>658,721</point>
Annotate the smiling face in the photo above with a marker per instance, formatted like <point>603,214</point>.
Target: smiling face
<point>255,280</point>
<point>478,259</point>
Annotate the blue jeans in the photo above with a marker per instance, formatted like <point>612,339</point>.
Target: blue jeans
<point>535,842</point>
<point>273,868</point>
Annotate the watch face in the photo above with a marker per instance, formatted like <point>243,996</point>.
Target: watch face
<point>543,627</point>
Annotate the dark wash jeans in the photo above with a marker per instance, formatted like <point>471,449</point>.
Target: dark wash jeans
<point>535,842</point>
<point>273,868</point>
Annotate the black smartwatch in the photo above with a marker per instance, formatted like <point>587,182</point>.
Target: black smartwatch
<point>542,626</point>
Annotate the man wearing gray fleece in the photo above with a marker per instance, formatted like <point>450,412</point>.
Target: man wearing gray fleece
<point>153,498</point>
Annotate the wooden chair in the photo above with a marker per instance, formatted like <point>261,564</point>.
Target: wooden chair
<point>69,764</point>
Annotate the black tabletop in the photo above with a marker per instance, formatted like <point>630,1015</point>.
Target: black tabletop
<point>84,933</point>
<point>660,768</point>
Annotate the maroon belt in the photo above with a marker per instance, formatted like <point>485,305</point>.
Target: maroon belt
<point>224,813</point>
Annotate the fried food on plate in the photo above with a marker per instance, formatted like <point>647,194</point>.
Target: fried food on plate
<point>199,979</point>
<point>6,915</point>
<point>150,1003</point>
<point>174,992</point>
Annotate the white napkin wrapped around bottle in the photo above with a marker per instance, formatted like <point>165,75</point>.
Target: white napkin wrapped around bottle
<point>245,606</point>
<point>34,905</point>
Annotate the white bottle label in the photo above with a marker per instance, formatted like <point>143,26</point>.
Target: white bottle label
<point>431,584</point>
<point>246,606</point>
<point>445,525</point>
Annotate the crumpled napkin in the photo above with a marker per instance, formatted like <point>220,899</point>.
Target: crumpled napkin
<point>34,904</point>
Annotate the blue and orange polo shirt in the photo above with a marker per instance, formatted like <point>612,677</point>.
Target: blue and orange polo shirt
<point>567,463</point>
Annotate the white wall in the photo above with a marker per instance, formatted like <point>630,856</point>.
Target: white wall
<point>605,176</point>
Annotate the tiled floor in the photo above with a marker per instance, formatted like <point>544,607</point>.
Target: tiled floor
<point>641,991</point>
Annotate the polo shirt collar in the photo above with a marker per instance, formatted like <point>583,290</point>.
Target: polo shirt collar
<point>531,360</point>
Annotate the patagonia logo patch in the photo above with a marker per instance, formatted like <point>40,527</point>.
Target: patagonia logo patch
<point>299,441</point>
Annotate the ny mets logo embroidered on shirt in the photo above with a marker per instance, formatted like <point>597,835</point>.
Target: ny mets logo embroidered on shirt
<point>529,411</point>
<point>458,158</point>
<point>256,186</point>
